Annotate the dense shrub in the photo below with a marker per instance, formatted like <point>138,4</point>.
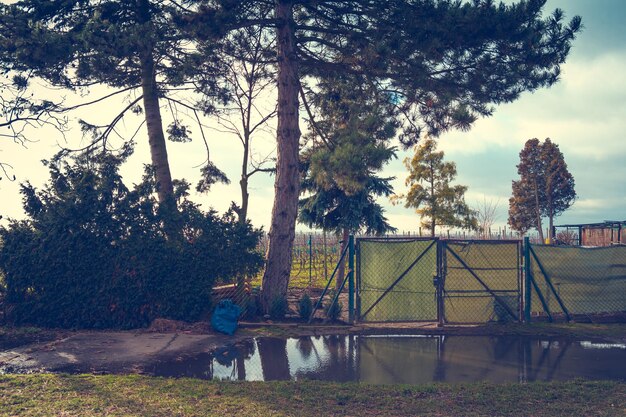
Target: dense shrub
<point>333,311</point>
<point>279,308</point>
<point>93,253</point>
<point>305,307</point>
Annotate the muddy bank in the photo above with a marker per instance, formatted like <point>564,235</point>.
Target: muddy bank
<point>109,352</point>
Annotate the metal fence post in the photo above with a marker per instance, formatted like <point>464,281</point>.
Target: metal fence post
<point>310,260</point>
<point>440,284</point>
<point>351,279</point>
<point>527,273</point>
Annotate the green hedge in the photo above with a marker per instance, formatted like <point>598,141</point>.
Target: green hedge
<point>95,254</point>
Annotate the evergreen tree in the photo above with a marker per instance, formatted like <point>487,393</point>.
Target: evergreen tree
<point>93,252</point>
<point>545,187</point>
<point>431,194</point>
<point>19,112</point>
<point>133,47</point>
<point>447,62</point>
<point>350,132</point>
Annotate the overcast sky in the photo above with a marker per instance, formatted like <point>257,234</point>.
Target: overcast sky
<point>585,114</point>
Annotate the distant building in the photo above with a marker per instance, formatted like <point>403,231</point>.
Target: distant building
<point>606,233</point>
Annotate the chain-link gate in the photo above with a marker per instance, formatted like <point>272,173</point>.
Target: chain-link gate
<point>395,279</point>
<point>449,281</point>
<point>481,281</point>
<point>478,281</point>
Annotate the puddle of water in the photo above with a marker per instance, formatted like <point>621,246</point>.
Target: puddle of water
<point>402,359</point>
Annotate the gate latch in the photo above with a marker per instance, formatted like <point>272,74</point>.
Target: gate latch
<point>436,281</point>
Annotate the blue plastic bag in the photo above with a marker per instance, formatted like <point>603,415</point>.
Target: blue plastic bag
<point>225,316</point>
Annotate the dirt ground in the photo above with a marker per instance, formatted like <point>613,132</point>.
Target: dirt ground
<point>109,352</point>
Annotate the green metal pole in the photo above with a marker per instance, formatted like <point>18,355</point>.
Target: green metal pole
<point>549,282</point>
<point>351,279</point>
<point>310,260</point>
<point>527,275</point>
<point>319,301</point>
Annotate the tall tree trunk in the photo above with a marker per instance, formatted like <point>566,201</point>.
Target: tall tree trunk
<point>287,183</point>
<point>243,183</point>
<point>550,209</point>
<point>551,227</point>
<point>156,137</point>
<point>245,196</point>
<point>538,213</point>
<point>154,124</point>
<point>433,202</point>
<point>274,360</point>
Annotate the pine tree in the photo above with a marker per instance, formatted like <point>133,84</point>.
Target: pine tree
<point>545,187</point>
<point>350,132</point>
<point>447,63</point>
<point>133,47</point>
<point>431,194</point>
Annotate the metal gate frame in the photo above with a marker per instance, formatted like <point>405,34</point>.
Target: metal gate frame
<point>443,250</point>
<point>359,240</point>
<point>446,249</point>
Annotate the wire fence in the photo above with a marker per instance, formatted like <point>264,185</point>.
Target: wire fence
<point>412,278</point>
<point>478,281</point>
<point>314,255</point>
<point>574,283</point>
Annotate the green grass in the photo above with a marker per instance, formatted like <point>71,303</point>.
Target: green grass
<point>300,277</point>
<point>614,331</point>
<point>61,395</point>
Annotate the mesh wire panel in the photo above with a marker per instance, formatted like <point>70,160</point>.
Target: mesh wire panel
<point>241,293</point>
<point>465,265</point>
<point>411,266</point>
<point>588,280</point>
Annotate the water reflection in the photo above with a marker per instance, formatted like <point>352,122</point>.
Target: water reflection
<point>406,359</point>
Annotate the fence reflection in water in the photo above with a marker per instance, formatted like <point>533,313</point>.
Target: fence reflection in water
<point>406,359</point>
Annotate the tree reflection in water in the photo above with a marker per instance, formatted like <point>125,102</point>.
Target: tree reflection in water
<point>273,353</point>
<point>398,359</point>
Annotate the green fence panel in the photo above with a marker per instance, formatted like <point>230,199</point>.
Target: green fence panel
<point>497,264</point>
<point>589,281</point>
<point>381,263</point>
